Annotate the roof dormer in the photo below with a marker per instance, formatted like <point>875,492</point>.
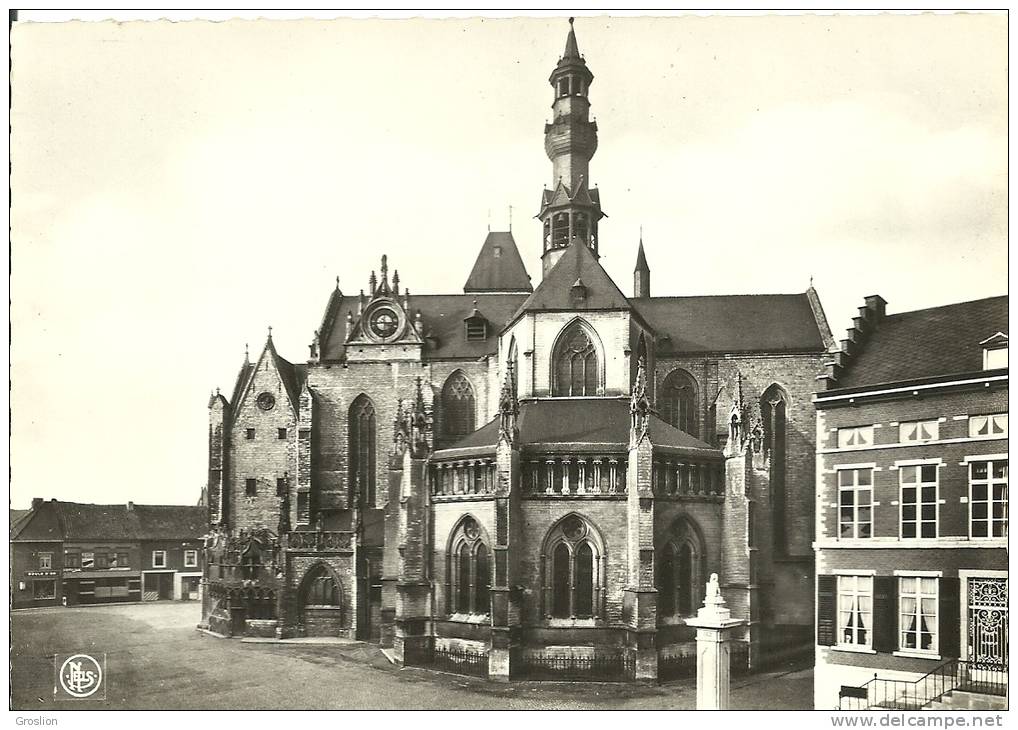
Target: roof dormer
<point>995,352</point>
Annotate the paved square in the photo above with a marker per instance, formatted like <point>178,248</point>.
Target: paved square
<point>157,660</point>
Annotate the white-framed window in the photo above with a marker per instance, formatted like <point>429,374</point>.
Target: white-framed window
<point>919,500</point>
<point>917,614</point>
<point>45,561</point>
<point>915,431</point>
<point>993,425</point>
<point>158,558</point>
<point>988,498</point>
<point>855,610</point>
<point>190,558</point>
<point>855,503</point>
<point>995,357</point>
<point>855,436</point>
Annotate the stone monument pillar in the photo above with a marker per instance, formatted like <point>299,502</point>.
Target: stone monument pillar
<point>713,625</point>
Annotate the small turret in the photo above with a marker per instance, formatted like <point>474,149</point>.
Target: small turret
<point>641,274</point>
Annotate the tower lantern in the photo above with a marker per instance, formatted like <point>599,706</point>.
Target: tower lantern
<point>570,211</point>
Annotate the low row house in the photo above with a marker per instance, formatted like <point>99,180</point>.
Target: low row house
<point>68,553</point>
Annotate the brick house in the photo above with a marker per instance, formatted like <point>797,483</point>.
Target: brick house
<point>72,553</point>
<point>172,551</point>
<point>912,509</point>
<point>512,480</point>
<point>36,542</point>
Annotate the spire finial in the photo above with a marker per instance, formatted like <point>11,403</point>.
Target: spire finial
<point>270,331</point>
<point>337,283</point>
<point>247,354</point>
<point>510,219</point>
<point>571,21</point>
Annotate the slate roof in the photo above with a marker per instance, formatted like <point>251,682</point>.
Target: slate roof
<point>641,259</point>
<point>112,522</point>
<point>167,522</point>
<point>577,263</point>
<point>499,267</point>
<point>732,323</point>
<point>579,425</point>
<point>927,343</point>
<point>16,516</point>
<point>442,315</point>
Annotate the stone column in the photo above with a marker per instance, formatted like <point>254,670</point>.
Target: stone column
<point>412,635</point>
<point>639,600</point>
<point>713,625</point>
<point>505,600</point>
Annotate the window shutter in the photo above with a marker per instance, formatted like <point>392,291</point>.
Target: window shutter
<point>885,613</point>
<point>827,609</point>
<point>950,617</point>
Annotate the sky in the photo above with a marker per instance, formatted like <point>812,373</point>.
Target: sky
<point>177,188</point>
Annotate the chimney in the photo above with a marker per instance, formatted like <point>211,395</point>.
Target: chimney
<point>876,304</point>
<point>37,502</point>
<point>130,506</point>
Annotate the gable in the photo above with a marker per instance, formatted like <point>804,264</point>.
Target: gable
<point>272,373</point>
<point>577,264</point>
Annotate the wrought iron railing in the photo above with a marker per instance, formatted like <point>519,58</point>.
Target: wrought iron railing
<point>615,667</point>
<point>457,661</point>
<point>897,694</point>
<point>678,666</point>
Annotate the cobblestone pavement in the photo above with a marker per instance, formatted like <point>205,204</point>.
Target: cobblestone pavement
<point>157,660</point>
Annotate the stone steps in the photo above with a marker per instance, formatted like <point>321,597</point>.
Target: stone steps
<point>961,700</point>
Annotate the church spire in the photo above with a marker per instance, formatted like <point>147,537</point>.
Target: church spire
<point>572,51</point>
<point>641,274</point>
<point>571,209</point>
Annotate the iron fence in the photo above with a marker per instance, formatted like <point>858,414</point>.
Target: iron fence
<point>597,668</point>
<point>457,661</point>
<point>678,666</point>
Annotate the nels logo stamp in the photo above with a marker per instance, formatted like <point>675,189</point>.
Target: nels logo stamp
<point>79,677</point>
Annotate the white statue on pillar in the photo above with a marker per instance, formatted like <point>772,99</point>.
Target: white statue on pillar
<point>713,624</point>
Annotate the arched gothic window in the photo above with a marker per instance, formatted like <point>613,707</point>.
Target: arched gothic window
<point>574,570</point>
<point>362,449</point>
<point>320,588</point>
<point>680,574</point>
<point>458,409</point>
<point>514,358</point>
<point>677,402</point>
<point>773,408</point>
<point>468,583</point>
<point>577,369</point>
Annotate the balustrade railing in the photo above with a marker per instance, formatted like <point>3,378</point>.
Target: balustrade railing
<point>677,478</point>
<point>316,540</point>
<point>472,476</point>
<point>574,475</point>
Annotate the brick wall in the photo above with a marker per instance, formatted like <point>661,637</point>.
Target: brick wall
<point>336,388</point>
<point>538,516</point>
<point>953,475</point>
<point>796,374</point>
<point>264,458</point>
<point>446,517</point>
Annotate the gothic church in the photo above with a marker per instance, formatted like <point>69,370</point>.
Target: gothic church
<point>518,481</point>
